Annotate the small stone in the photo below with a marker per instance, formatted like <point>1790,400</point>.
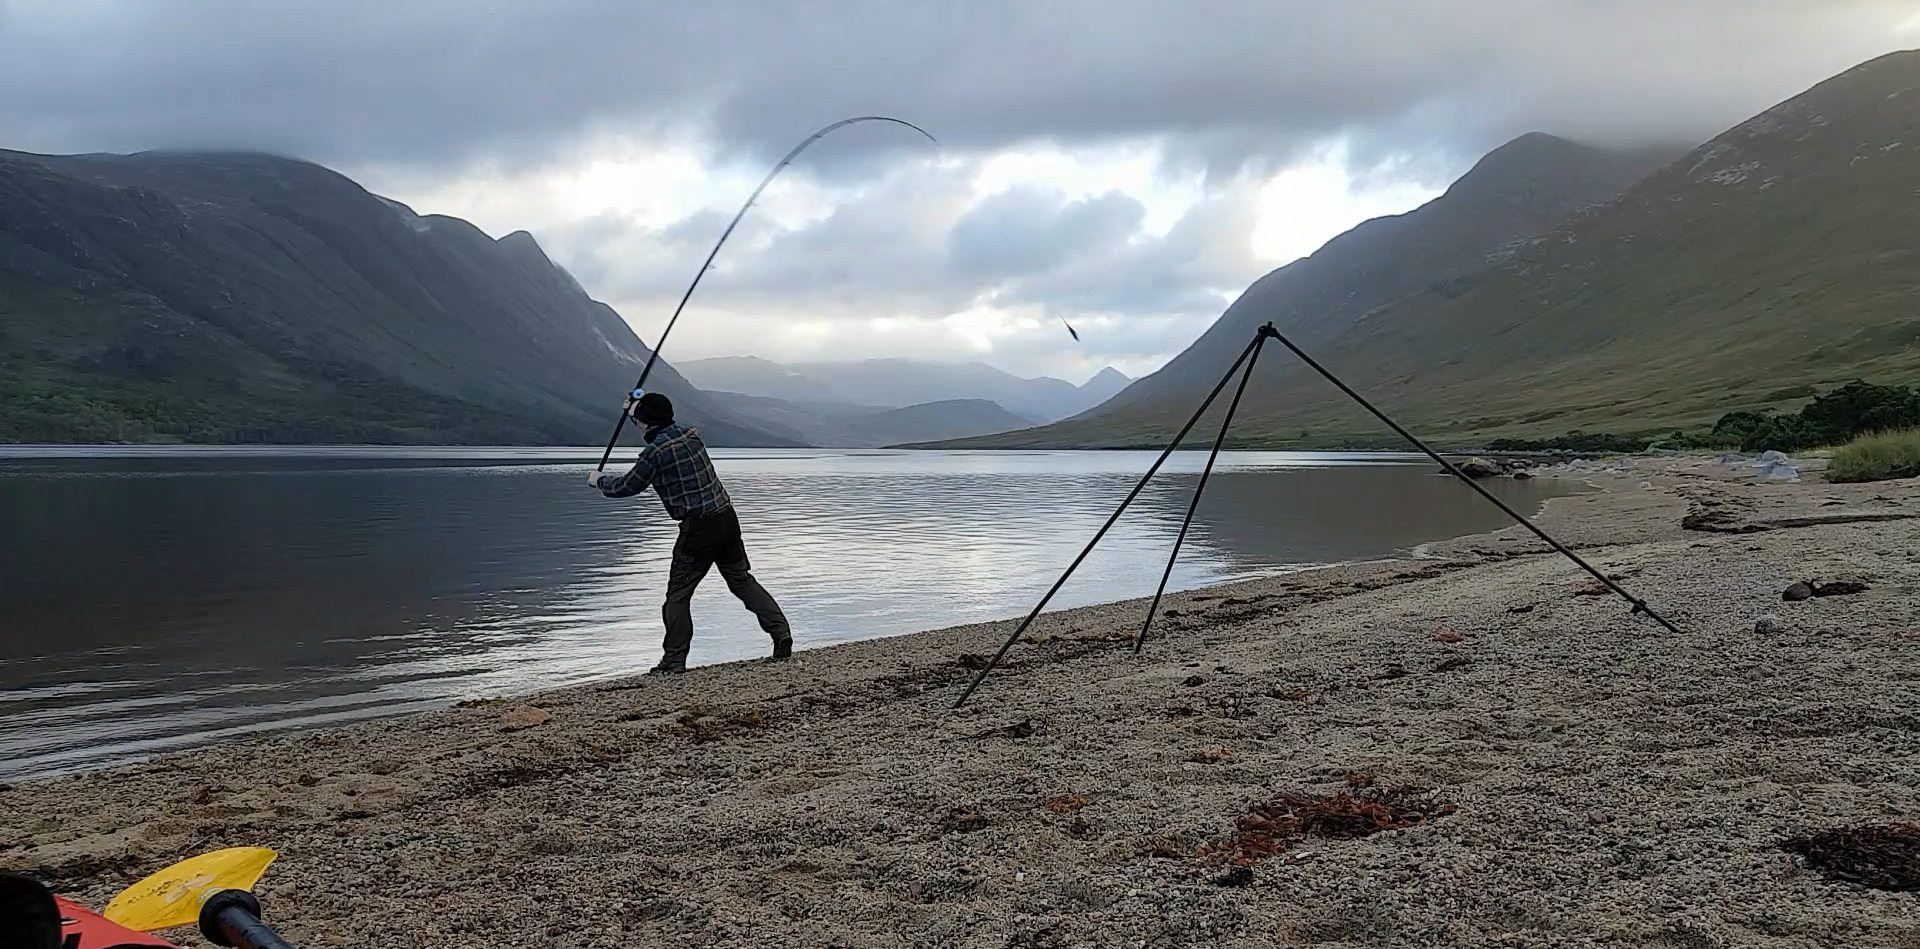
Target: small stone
<point>1768,625</point>
<point>524,716</point>
<point>1839,587</point>
<point>1192,681</point>
<point>1522,475</point>
<point>1238,876</point>
<point>1797,592</point>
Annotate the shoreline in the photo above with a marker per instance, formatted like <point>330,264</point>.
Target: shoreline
<point>1609,781</point>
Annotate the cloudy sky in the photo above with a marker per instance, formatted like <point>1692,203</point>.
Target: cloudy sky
<point>1127,166</point>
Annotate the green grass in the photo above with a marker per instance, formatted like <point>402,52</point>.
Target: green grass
<point>1877,457</point>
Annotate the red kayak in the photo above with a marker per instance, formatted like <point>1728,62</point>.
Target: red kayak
<point>31,917</point>
<point>82,928</point>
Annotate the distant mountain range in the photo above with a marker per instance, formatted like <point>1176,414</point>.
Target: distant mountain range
<point>895,383</point>
<point>1558,287</point>
<point>838,424</point>
<point>234,297</point>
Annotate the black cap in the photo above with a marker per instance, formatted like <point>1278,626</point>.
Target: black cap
<point>653,409</point>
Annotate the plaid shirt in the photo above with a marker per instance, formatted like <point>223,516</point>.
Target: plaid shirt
<point>676,465</point>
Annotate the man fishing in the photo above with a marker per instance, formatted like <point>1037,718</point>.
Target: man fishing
<point>676,465</point>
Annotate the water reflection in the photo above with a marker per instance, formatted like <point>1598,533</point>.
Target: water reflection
<point>154,601</point>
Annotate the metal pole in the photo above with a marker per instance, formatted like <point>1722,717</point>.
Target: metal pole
<point>1057,584</point>
<point>1639,605</point>
<point>1232,407</point>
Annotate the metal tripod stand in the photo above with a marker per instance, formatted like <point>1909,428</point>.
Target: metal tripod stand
<point>1244,365</point>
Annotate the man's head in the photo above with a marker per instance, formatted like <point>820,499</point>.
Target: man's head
<point>653,410</point>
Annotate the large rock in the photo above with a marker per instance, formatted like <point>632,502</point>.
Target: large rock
<point>1775,466</point>
<point>1480,468</point>
<point>522,717</point>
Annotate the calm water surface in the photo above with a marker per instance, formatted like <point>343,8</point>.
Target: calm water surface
<point>154,599</point>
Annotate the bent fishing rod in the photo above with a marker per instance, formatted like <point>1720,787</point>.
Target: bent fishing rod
<point>645,370</point>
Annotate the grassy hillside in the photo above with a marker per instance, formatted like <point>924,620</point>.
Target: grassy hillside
<point>244,297</point>
<point>1780,257</point>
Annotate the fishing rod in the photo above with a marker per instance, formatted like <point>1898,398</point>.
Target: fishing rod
<point>621,422</point>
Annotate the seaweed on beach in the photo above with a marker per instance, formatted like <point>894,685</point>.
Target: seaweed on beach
<point>1881,856</point>
<point>1270,828</point>
<point>704,725</point>
<point>1232,706</point>
<point>962,820</point>
<point>1024,728</point>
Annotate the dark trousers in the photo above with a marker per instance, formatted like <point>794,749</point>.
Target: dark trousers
<point>712,541</point>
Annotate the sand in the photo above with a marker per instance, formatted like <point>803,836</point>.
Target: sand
<point>1612,784</point>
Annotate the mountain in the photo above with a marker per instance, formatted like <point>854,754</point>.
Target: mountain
<point>845,425</point>
<point>1776,258</point>
<point>751,375</point>
<point>238,297</point>
<point>895,383</point>
<point>1514,193</point>
<point>933,421</point>
<point>1104,385</point>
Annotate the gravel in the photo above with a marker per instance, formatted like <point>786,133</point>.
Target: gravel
<point>1612,784</point>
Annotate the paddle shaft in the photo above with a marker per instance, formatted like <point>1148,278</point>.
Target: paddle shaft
<point>232,918</point>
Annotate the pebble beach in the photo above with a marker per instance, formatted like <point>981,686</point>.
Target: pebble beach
<point>1584,777</point>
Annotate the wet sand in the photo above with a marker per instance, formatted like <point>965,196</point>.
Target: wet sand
<point>1611,783</point>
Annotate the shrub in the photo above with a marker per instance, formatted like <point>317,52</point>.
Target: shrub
<point>1783,433</point>
<point>1877,457</point>
<point>1575,441</point>
<point>1859,407</point>
<point>1738,425</point>
<point>1848,411</point>
<point>1692,441</point>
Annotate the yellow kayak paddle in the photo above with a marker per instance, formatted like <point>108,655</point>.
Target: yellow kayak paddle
<point>212,889</point>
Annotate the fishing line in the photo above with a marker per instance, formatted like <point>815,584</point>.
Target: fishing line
<point>621,422</point>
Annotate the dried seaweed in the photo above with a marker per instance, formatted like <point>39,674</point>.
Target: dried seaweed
<point>1881,856</point>
<point>1067,803</point>
<point>704,725</point>
<point>1271,828</point>
<point>962,820</point>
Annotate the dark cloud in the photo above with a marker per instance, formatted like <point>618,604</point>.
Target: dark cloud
<point>1402,91</point>
<point>367,81</point>
<point>1190,271</point>
<point>1028,229</point>
<point>916,245</point>
<point>880,249</point>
